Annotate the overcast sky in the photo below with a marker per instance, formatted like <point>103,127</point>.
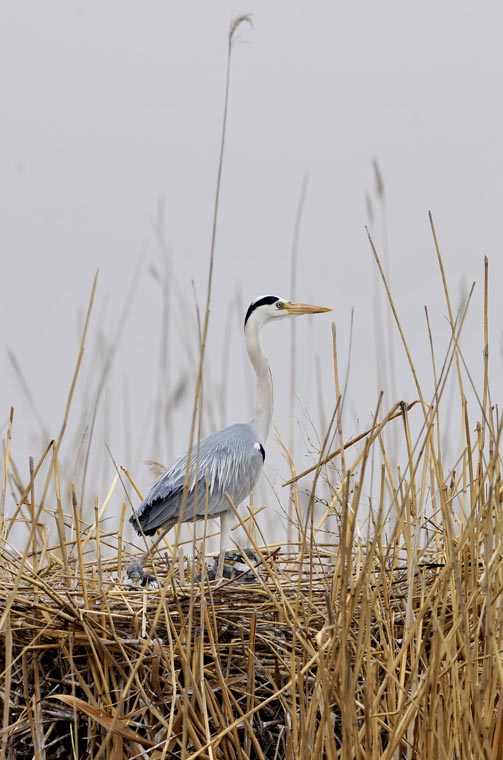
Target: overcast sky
<point>110,107</point>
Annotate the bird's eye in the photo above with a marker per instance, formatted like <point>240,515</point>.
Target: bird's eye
<point>279,304</point>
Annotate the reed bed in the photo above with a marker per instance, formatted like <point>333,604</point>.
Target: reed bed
<point>374,631</point>
<point>310,657</point>
<point>334,645</point>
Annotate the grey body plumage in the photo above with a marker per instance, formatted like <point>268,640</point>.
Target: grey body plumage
<point>227,462</point>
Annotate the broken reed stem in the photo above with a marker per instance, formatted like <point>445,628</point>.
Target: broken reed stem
<point>338,398</point>
<point>393,414</point>
<point>5,471</point>
<point>26,491</point>
<point>292,505</point>
<point>107,365</point>
<point>60,518</point>
<point>485,392</point>
<point>452,321</point>
<point>397,322</point>
<point>33,518</point>
<point>78,364</point>
<point>77,527</point>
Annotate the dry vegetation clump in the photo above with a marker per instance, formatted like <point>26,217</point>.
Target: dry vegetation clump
<point>375,631</point>
<point>380,639</point>
<point>331,652</point>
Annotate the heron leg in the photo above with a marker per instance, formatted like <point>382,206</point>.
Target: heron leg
<point>225,529</point>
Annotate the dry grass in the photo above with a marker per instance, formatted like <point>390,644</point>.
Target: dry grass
<point>380,637</point>
<point>361,649</point>
<point>344,645</point>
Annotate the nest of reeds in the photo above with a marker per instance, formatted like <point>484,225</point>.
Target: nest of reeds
<point>381,639</point>
<point>248,668</point>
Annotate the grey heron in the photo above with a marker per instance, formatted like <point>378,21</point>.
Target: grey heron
<point>225,465</point>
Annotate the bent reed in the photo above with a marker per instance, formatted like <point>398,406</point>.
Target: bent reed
<point>375,632</point>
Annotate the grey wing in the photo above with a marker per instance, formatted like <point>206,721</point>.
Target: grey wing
<point>227,462</point>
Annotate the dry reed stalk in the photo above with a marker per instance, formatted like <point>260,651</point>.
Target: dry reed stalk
<point>383,640</point>
<point>293,503</point>
<point>5,471</point>
<point>320,654</point>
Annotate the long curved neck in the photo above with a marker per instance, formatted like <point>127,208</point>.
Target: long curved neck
<point>263,397</point>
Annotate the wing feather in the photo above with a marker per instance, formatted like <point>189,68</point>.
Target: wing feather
<point>229,461</point>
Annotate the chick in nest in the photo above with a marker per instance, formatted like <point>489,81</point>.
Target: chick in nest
<point>235,564</point>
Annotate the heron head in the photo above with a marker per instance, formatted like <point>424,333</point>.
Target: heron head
<point>265,308</point>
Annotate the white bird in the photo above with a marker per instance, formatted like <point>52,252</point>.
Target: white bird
<point>227,464</point>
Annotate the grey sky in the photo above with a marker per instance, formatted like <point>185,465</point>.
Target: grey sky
<point>108,107</point>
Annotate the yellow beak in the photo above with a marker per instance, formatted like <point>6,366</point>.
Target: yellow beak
<point>304,308</point>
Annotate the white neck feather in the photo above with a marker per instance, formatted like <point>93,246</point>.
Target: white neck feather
<point>263,397</point>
